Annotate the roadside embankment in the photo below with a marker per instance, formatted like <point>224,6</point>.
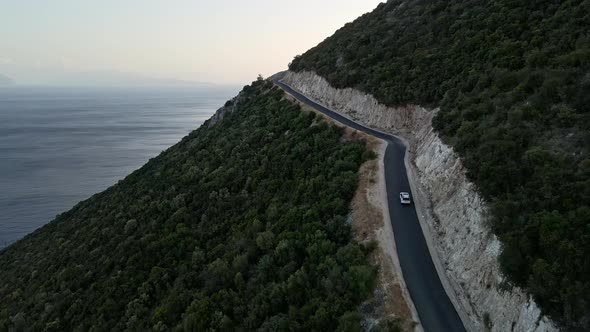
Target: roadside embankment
<point>370,222</point>
<point>452,213</point>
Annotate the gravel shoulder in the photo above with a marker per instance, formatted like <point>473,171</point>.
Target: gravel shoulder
<point>370,217</point>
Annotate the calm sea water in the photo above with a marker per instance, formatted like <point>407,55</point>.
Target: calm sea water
<point>59,146</point>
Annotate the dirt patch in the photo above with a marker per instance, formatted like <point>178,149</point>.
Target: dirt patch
<point>369,207</point>
<point>370,223</point>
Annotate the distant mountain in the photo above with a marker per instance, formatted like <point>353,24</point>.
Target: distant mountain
<point>104,78</point>
<point>5,80</point>
<point>116,78</point>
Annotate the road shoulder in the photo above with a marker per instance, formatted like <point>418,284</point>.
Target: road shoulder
<point>371,222</point>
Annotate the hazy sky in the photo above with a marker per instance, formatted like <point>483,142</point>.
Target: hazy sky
<point>224,41</point>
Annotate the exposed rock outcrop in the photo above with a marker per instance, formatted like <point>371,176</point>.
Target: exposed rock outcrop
<point>453,213</point>
<point>229,107</point>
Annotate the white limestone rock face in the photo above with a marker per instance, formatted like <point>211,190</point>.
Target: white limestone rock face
<point>454,213</point>
<point>229,107</point>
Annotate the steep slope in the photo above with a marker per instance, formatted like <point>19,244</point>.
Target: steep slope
<point>511,80</point>
<point>452,213</point>
<point>240,226</point>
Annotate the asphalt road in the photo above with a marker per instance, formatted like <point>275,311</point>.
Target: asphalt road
<point>434,307</point>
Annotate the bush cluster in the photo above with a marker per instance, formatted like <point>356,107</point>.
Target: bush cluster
<point>240,226</point>
<point>512,82</point>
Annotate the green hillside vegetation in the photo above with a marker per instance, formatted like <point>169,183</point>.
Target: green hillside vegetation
<point>512,82</point>
<point>240,226</point>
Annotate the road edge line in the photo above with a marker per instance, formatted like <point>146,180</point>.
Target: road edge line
<point>388,226</point>
<point>426,229</point>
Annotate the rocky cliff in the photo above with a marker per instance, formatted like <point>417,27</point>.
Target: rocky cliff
<point>453,213</point>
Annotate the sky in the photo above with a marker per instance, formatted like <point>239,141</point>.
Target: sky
<point>218,41</point>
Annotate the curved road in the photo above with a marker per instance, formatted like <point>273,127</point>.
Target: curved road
<point>434,307</point>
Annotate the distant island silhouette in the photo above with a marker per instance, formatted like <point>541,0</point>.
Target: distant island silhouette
<point>5,80</point>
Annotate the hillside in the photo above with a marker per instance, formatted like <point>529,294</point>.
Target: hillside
<point>240,226</point>
<point>511,80</point>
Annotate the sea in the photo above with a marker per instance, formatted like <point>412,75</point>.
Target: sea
<point>59,146</point>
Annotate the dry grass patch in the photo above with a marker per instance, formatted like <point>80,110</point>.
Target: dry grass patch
<point>388,302</point>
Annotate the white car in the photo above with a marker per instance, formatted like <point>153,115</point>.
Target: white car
<point>404,198</point>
